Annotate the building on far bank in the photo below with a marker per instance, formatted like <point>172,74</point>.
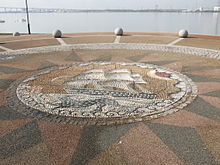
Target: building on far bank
<point>217,8</point>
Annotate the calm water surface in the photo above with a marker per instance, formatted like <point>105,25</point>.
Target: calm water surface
<point>201,23</point>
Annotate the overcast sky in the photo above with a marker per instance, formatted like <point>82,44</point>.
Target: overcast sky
<point>110,4</point>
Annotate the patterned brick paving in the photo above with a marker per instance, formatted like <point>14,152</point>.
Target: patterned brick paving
<point>190,136</point>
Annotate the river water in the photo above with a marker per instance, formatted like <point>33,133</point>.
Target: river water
<point>200,23</point>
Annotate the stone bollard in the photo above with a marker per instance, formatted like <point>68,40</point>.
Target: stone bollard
<point>57,34</point>
<point>118,32</point>
<point>183,33</point>
<point>16,34</point>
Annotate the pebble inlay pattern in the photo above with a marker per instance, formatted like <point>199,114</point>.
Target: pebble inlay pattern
<point>209,53</point>
<point>101,93</point>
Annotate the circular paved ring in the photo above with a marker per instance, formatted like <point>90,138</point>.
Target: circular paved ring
<point>209,53</point>
<point>101,93</point>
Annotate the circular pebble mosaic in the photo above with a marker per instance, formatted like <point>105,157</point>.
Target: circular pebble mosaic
<point>101,93</point>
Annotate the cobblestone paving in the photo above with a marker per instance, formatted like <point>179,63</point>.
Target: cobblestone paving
<point>189,136</point>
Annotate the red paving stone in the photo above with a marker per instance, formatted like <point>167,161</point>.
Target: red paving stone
<point>184,118</point>
<point>24,37</point>
<point>202,43</point>
<point>152,33</point>
<point>147,39</point>
<point>206,87</point>
<point>89,39</point>
<point>37,155</point>
<point>141,146</point>
<point>205,36</point>
<point>61,140</point>
<point>7,126</point>
<point>2,101</point>
<point>86,34</point>
<point>215,101</point>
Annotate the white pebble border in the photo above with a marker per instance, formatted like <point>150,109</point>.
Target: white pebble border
<point>209,53</point>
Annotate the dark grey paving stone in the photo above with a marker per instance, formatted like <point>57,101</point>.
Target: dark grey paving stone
<point>7,113</point>
<point>160,63</point>
<point>203,108</point>
<point>137,58</point>
<point>5,83</point>
<point>196,78</point>
<point>4,57</point>
<point>11,70</point>
<point>73,57</point>
<point>19,140</point>
<point>184,142</point>
<point>96,139</point>
<point>197,68</point>
<point>45,65</point>
<point>213,94</point>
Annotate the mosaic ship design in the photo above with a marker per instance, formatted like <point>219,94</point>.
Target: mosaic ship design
<point>117,83</point>
<point>105,90</point>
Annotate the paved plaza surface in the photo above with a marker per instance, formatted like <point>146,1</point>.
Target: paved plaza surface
<point>98,99</point>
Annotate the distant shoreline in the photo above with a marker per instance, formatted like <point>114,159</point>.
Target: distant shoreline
<point>43,10</point>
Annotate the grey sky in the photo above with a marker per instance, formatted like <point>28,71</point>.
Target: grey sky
<point>109,4</point>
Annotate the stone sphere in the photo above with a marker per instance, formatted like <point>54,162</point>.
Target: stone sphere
<point>183,33</point>
<point>57,34</point>
<point>118,32</point>
<point>16,34</point>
